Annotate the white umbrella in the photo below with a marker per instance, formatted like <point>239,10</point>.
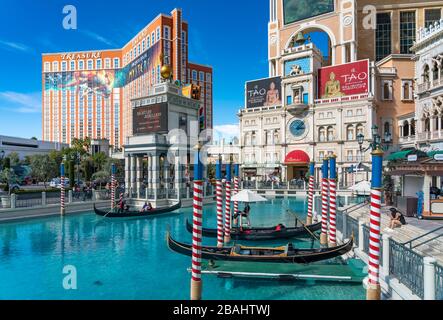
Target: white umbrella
<point>248,196</point>
<point>363,187</point>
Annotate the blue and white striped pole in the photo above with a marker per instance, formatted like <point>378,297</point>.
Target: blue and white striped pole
<point>324,203</point>
<point>373,290</point>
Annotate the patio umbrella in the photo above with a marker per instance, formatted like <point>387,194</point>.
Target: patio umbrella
<point>363,187</point>
<point>248,196</point>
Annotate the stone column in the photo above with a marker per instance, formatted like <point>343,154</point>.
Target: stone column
<point>139,170</point>
<point>127,173</point>
<point>166,175</point>
<point>427,198</point>
<point>429,278</point>
<point>178,176</point>
<point>385,257</point>
<point>133,175</point>
<point>155,174</point>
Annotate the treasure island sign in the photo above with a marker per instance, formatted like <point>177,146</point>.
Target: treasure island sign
<point>343,80</point>
<point>150,119</point>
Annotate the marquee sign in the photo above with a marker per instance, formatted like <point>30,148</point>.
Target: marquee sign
<point>150,119</point>
<point>343,80</point>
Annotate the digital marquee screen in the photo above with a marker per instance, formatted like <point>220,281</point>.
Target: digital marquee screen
<point>296,10</point>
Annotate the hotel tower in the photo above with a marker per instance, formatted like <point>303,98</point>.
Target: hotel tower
<point>89,93</point>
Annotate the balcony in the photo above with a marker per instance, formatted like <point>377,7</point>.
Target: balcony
<point>406,140</point>
<point>426,86</point>
<point>429,136</point>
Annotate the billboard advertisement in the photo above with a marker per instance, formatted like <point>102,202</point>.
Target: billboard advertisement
<point>150,119</point>
<point>296,10</point>
<point>103,81</point>
<point>343,80</point>
<point>263,92</point>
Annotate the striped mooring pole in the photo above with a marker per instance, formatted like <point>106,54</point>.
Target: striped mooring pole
<point>310,192</point>
<point>227,237</point>
<point>236,182</point>
<point>373,291</point>
<point>113,186</point>
<point>324,203</point>
<point>219,197</point>
<point>62,189</point>
<point>332,200</point>
<point>196,281</point>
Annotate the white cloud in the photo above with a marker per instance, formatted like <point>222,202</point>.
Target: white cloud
<point>226,131</point>
<point>14,46</point>
<point>99,38</point>
<point>21,102</point>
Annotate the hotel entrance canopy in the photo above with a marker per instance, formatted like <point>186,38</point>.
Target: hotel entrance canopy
<point>297,157</point>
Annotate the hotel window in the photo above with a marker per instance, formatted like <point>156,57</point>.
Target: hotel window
<point>116,63</point>
<point>81,65</point>
<point>194,75</point>
<point>98,64</point>
<point>90,65</point>
<point>359,112</point>
<point>208,77</point>
<point>350,155</point>
<point>143,45</point>
<point>386,90</point>
<point>432,16</point>
<point>201,76</point>
<point>407,31</point>
<point>322,134</point>
<point>166,32</point>
<point>321,155</point>
<point>64,66</point>
<point>148,41</point>
<point>350,132</point>
<point>268,120</point>
<point>247,123</point>
<point>321,115</point>
<point>359,129</point>
<point>274,120</point>
<point>383,36</point>
<point>254,138</point>
<point>329,115</point>
<point>72,63</point>
<point>47,67</point>
<point>152,38</point>
<point>107,63</point>
<point>55,66</point>
<point>330,134</point>
<point>349,113</point>
<point>253,122</point>
<point>157,31</point>
<point>406,90</point>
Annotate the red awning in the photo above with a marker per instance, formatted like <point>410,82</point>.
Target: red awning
<point>297,157</point>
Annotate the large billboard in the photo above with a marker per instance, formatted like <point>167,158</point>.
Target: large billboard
<point>343,80</point>
<point>263,92</point>
<point>103,81</point>
<point>296,10</point>
<point>150,119</point>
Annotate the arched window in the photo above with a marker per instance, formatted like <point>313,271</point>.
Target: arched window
<point>276,137</point>
<point>435,72</point>
<point>387,127</point>
<point>359,129</point>
<point>330,134</point>
<point>412,127</point>
<point>425,75</point>
<point>405,128</point>
<point>427,124</point>
<point>268,137</point>
<point>321,134</point>
<point>350,132</point>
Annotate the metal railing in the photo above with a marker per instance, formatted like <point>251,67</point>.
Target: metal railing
<point>407,266</point>
<point>422,236</point>
<point>438,282</point>
<point>339,220</point>
<point>366,243</point>
<point>28,203</point>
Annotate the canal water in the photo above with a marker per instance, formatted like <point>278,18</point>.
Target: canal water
<point>129,259</point>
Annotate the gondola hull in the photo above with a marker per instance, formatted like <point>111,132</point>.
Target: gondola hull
<point>134,214</point>
<point>265,233</point>
<point>255,254</point>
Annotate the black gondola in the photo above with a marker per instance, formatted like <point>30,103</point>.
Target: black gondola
<point>116,213</point>
<point>283,254</point>
<point>264,233</point>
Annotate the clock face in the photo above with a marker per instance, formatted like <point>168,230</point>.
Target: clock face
<point>297,128</point>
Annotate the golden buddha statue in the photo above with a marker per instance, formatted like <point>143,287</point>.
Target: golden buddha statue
<point>332,87</point>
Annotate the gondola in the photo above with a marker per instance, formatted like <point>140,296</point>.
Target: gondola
<point>283,254</point>
<point>265,233</point>
<point>129,214</point>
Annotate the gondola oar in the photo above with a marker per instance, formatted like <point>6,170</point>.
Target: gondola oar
<point>304,225</point>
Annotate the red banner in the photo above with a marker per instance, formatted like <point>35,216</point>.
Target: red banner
<point>343,80</point>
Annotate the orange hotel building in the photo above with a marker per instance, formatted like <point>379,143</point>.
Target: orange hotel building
<point>89,93</point>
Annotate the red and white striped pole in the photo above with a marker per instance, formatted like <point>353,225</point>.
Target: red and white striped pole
<point>373,291</point>
<point>196,281</point>
<point>227,237</point>
<point>62,189</point>
<point>113,186</point>
<point>324,203</point>
<point>236,181</point>
<point>219,196</point>
<point>310,192</point>
<point>332,200</point>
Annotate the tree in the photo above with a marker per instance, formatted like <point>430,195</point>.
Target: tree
<point>211,170</point>
<point>8,176</point>
<point>101,177</point>
<point>34,138</point>
<point>99,159</point>
<point>43,168</point>
<point>14,158</point>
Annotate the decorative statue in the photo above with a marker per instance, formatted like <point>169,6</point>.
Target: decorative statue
<point>295,70</point>
<point>333,88</point>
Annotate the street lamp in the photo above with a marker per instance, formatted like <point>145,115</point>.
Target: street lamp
<point>360,139</point>
<point>388,137</point>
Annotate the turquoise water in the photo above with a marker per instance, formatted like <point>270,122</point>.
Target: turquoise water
<point>129,259</point>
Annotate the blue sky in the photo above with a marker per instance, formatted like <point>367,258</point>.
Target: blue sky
<point>230,35</point>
